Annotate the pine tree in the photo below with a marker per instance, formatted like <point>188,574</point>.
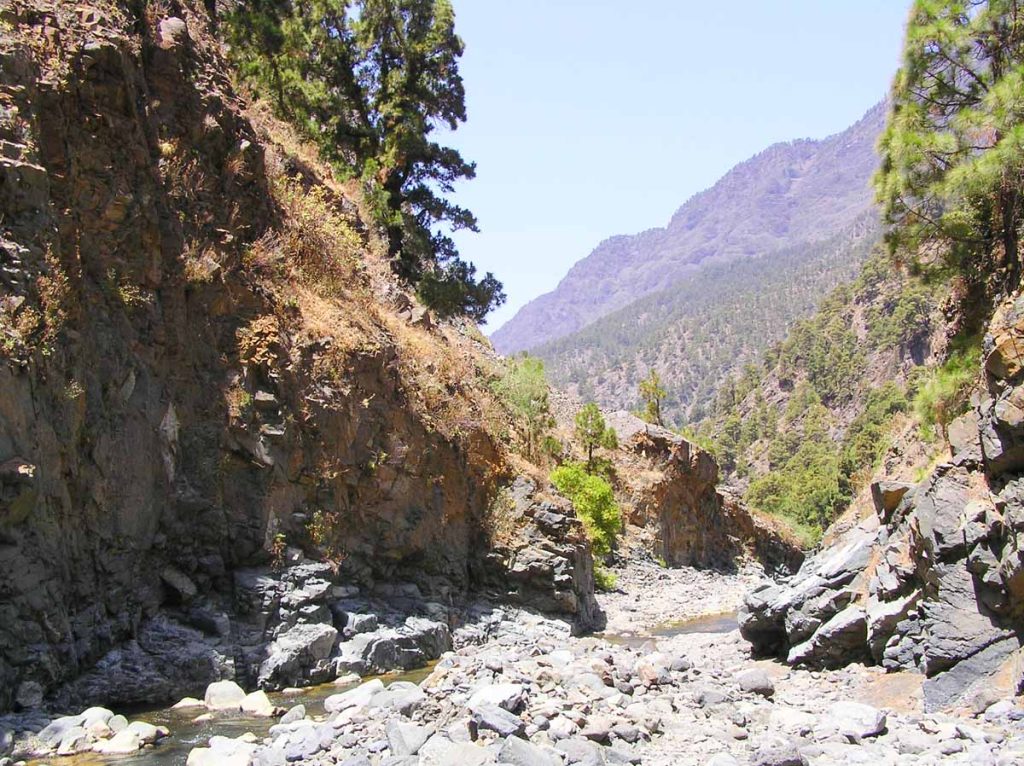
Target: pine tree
<point>653,393</point>
<point>593,432</point>
<point>370,81</point>
<point>953,149</point>
<point>524,388</point>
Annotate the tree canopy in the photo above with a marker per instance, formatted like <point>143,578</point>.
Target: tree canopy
<point>524,388</point>
<point>371,81</point>
<point>953,149</point>
<point>653,394</point>
<point>592,432</point>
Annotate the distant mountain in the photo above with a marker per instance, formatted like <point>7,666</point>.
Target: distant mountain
<point>704,329</point>
<point>791,193</point>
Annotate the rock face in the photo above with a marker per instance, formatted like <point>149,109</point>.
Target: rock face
<point>673,495</point>
<point>934,581</point>
<point>170,416</point>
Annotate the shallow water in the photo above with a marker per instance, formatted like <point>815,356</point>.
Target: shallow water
<point>185,734</point>
<point>723,622</point>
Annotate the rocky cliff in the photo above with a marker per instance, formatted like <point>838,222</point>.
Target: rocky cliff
<point>226,434</point>
<point>933,580</point>
<point>672,503</point>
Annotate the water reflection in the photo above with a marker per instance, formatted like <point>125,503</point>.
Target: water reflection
<point>187,734</point>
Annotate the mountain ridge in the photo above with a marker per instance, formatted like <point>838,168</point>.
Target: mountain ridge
<point>801,190</point>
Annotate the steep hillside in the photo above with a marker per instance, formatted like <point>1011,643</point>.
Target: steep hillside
<point>793,193</point>
<point>233,444</point>
<point>802,430</point>
<point>706,328</point>
<point>208,367</point>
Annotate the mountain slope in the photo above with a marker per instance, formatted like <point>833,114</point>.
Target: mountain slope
<point>706,328</point>
<point>790,193</point>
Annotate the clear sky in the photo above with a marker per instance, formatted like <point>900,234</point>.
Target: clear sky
<point>589,118</point>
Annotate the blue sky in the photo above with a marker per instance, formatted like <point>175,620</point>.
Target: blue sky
<point>589,118</point>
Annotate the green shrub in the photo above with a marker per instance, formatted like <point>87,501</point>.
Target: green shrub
<point>604,579</point>
<point>524,390</point>
<point>866,439</point>
<point>943,392</point>
<point>594,502</point>
<point>903,319</point>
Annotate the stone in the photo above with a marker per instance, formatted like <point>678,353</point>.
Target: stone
<point>411,645</point>
<point>756,681</point>
<point>778,751</point>
<point>224,695</point>
<point>841,640</point>
<point>406,738</point>
<point>722,759</point>
<point>856,720</point>
<point>223,751</point>
<point>29,694</point>
<point>454,754</point>
<point>358,697</point>
<point>887,496</point>
<point>496,719</point>
<point>597,728</point>
<point>147,733</point>
<point>626,731</point>
<point>123,743</point>
<point>509,697</point>
<point>520,752</point>
<point>165,661</point>
<point>399,696</point>
<point>561,728</point>
<point>171,33</point>
<point>947,688</point>
<point>297,713</point>
<point>581,751</point>
<point>882,619</point>
<point>258,704</point>
<point>75,740</point>
<point>95,715</point>
<point>964,440</point>
<point>188,702</point>
<point>296,656</point>
<point>52,734</point>
<point>179,583</point>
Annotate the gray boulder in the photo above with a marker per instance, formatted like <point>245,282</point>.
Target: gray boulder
<point>406,738</point>
<point>520,752</point>
<point>298,656</point>
<point>412,645</point>
<point>855,720</point>
<point>841,640</point>
<point>756,681</point>
<point>496,719</point>
<point>778,751</point>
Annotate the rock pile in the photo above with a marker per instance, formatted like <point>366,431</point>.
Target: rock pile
<point>95,730</point>
<point>934,581</point>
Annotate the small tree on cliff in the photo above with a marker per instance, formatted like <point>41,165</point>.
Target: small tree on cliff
<point>524,388</point>
<point>593,432</point>
<point>653,394</point>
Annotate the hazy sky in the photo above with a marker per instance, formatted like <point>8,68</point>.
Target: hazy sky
<point>589,118</point>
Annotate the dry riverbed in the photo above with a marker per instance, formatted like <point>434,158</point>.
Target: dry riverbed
<point>670,683</point>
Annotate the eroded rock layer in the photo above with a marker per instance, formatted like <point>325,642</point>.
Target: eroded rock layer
<point>176,411</point>
<point>934,581</point>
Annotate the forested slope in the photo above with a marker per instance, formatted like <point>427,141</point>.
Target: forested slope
<point>706,328</point>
